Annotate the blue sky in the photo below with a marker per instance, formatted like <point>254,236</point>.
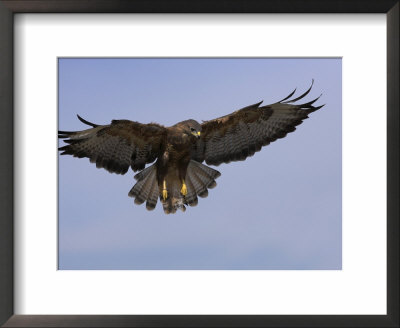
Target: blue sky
<point>279,210</point>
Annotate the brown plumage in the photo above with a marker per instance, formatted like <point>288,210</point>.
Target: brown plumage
<point>178,177</point>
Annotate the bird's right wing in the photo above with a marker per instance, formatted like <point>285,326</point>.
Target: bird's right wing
<point>117,146</point>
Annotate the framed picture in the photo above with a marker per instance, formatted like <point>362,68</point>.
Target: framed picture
<point>284,239</point>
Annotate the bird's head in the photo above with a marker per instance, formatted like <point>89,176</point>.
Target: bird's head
<point>190,128</point>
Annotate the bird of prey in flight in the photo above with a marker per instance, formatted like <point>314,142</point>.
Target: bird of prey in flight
<point>178,176</point>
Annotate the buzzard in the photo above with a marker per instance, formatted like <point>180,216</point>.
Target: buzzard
<point>178,176</point>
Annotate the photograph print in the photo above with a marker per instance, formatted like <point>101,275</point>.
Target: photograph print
<point>200,164</point>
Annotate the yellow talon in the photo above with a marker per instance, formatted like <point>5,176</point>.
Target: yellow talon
<point>184,188</point>
<point>164,191</point>
<point>164,194</point>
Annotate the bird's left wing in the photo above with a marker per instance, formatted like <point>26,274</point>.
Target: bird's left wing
<point>117,146</point>
<point>236,136</point>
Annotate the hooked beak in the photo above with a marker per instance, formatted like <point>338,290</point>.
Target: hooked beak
<point>196,134</point>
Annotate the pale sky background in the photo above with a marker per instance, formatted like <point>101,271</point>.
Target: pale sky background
<point>280,209</point>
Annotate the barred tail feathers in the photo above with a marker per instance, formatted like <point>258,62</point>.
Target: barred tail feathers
<point>199,178</point>
<point>146,187</point>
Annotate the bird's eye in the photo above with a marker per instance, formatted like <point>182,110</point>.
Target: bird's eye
<point>192,129</point>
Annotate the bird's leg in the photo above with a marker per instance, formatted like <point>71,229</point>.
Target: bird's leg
<point>164,191</point>
<point>184,188</point>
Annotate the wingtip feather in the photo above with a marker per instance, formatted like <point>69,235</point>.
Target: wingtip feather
<point>301,96</point>
<point>87,122</point>
<point>287,97</point>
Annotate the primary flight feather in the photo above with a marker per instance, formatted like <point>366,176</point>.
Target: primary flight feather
<point>178,176</point>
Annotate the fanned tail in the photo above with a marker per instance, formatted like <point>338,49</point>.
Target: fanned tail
<point>199,178</point>
<point>146,187</point>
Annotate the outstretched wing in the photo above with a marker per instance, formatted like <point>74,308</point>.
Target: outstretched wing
<point>236,136</point>
<point>116,146</point>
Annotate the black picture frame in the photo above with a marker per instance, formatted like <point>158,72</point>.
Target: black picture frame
<point>10,7</point>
